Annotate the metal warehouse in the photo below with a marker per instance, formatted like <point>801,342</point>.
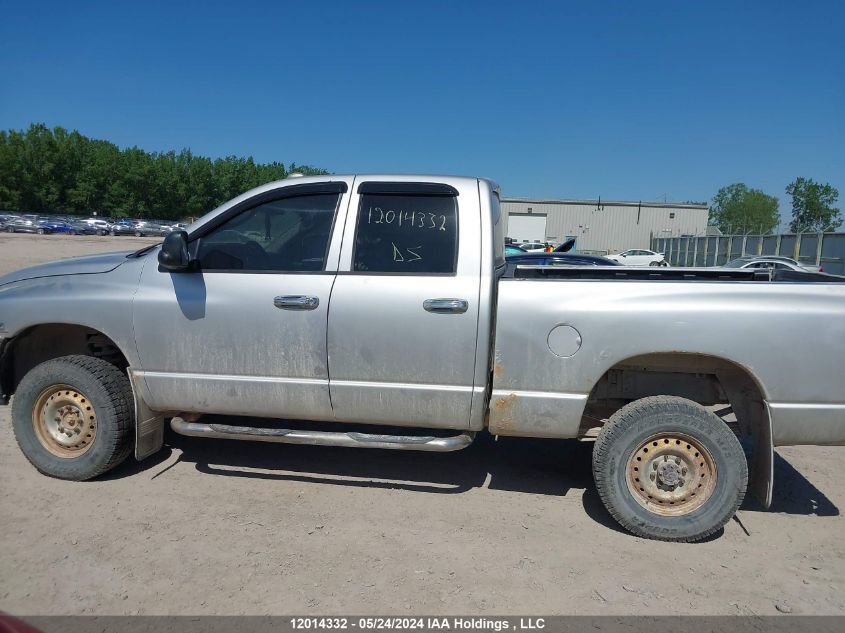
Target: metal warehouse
<point>601,226</point>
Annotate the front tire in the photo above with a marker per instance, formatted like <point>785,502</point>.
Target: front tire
<point>666,468</point>
<point>73,417</point>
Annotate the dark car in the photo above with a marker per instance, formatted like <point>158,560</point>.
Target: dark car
<point>559,259</point>
<point>149,229</point>
<point>56,225</point>
<point>83,228</point>
<point>122,228</point>
<point>24,225</point>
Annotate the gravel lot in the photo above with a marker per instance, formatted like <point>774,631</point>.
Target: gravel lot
<point>504,527</point>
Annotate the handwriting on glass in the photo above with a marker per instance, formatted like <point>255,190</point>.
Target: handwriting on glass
<point>412,220</point>
<point>406,254</point>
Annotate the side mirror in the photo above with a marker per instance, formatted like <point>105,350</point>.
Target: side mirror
<point>622,255</point>
<point>173,255</point>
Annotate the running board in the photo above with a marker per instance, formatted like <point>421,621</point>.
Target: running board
<point>324,438</point>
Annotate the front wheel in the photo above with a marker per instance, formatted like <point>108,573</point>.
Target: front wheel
<point>666,468</point>
<point>73,417</point>
<point>40,231</point>
<point>654,264</point>
<point>138,234</point>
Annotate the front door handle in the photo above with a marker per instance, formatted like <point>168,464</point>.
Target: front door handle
<point>446,306</point>
<point>296,302</point>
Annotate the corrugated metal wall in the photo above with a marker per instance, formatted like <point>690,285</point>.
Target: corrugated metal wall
<point>613,226</point>
<point>821,249</point>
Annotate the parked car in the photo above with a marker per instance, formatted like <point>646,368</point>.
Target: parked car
<point>639,257</point>
<point>559,259</point>
<point>771,261</point>
<point>24,225</point>
<point>369,319</point>
<point>103,226</point>
<point>80,227</point>
<point>149,229</point>
<point>122,228</point>
<point>513,249</point>
<point>536,246</point>
<point>55,225</point>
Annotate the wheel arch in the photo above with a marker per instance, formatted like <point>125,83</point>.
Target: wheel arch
<point>45,341</point>
<point>704,378</point>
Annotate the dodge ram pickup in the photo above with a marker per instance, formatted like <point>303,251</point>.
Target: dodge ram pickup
<point>387,300</point>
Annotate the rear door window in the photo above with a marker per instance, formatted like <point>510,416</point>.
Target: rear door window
<point>406,234</point>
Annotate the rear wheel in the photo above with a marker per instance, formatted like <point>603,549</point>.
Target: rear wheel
<point>138,234</point>
<point>73,417</point>
<point>654,264</point>
<point>667,468</point>
<point>40,231</point>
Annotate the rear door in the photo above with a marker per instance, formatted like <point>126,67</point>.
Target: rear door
<point>404,309</point>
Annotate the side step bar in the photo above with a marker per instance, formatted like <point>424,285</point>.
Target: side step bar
<point>324,438</point>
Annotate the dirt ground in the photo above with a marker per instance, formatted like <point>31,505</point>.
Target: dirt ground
<point>504,527</point>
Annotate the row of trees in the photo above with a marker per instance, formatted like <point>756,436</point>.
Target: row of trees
<point>43,169</point>
<point>740,209</point>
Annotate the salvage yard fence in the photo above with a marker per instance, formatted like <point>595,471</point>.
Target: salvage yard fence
<point>819,249</point>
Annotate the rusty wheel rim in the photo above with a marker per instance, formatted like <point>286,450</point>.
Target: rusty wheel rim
<point>64,421</point>
<point>671,474</point>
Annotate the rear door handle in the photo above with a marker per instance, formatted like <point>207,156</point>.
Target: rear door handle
<point>446,306</point>
<point>296,302</point>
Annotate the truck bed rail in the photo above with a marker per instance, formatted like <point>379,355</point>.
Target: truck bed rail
<point>643,273</point>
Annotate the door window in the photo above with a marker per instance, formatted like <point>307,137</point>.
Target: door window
<point>406,234</point>
<point>287,235</point>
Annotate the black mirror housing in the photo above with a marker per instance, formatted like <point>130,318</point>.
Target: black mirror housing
<point>174,255</point>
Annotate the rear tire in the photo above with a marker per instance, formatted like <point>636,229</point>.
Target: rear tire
<point>654,264</point>
<point>40,231</point>
<point>73,417</point>
<point>666,468</point>
<point>139,234</point>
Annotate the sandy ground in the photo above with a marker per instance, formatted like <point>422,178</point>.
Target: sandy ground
<point>504,527</point>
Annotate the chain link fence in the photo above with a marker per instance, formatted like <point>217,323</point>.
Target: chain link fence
<point>820,249</point>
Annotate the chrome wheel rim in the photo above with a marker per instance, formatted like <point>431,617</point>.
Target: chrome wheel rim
<point>64,421</point>
<point>671,474</point>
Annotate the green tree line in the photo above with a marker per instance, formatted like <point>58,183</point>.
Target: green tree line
<point>738,209</point>
<point>54,170</point>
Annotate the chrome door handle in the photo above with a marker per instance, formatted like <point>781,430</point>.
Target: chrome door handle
<point>296,302</point>
<point>446,306</point>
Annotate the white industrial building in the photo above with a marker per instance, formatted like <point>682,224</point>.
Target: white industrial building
<point>601,226</point>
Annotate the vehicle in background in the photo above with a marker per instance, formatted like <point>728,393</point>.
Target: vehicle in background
<point>122,227</point>
<point>55,225</point>
<point>5,219</point>
<point>100,224</point>
<point>537,246</point>
<point>559,259</point>
<point>26,225</point>
<point>771,261</point>
<point>83,228</point>
<point>149,229</point>
<point>639,257</point>
<point>513,249</point>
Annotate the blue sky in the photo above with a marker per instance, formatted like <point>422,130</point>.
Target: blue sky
<point>628,100</point>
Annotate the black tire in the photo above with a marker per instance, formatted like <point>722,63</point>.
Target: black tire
<point>71,232</point>
<point>113,233</point>
<point>110,393</point>
<point>40,231</point>
<point>634,426</point>
<point>655,264</point>
<point>139,234</point>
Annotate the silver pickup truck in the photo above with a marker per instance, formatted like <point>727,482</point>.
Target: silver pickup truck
<point>387,300</point>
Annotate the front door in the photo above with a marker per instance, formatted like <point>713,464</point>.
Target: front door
<point>246,332</point>
<point>404,308</point>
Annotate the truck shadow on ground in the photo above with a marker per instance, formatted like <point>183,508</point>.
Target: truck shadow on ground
<point>534,466</point>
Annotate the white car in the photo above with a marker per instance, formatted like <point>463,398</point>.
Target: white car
<point>774,261</point>
<point>639,257</point>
